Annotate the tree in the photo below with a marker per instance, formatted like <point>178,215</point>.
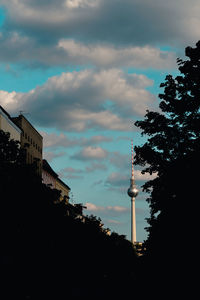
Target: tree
<point>172,152</point>
<point>49,250</point>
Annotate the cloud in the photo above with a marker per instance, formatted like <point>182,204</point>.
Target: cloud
<point>90,153</point>
<point>96,139</point>
<point>14,47</point>
<point>144,177</point>
<point>53,140</point>
<point>75,173</point>
<point>81,3</point>
<point>120,22</point>
<point>119,160</point>
<point>106,209</point>
<point>116,179</point>
<point>108,56</point>
<point>95,166</point>
<point>71,173</point>
<point>114,158</point>
<point>78,101</point>
<point>52,155</point>
<point>18,48</point>
<point>10,100</point>
<point>110,221</point>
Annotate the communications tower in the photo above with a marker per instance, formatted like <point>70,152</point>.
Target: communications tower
<point>132,192</point>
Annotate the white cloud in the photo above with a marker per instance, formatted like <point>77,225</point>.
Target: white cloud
<point>10,100</point>
<point>81,3</point>
<point>91,153</point>
<point>78,101</point>
<point>94,153</point>
<point>82,119</point>
<point>144,177</point>
<point>106,209</point>
<point>108,56</point>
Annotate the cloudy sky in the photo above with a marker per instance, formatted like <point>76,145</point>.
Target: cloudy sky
<point>82,71</point>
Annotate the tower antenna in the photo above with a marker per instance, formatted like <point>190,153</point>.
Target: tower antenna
<point>132,170</point>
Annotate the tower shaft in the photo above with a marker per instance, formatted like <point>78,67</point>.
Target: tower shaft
<point>133,221</point>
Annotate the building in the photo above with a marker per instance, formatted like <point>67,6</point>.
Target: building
<point>7,125</point>
<point>139,247</point>
<point>48,175</point>
<point>50,178</point>
<point>31,140</point>
<point>22,130</point>
<point>64,189</point>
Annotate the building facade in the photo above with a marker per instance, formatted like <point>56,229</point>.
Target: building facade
<point>7,125</point>
<point>48,175</point>
<point>32,141</point>
<point>51,178</point>
<point>64,189</point>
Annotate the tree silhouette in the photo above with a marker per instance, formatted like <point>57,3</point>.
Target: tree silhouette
<point>49,249</point>
<point>172,152</point>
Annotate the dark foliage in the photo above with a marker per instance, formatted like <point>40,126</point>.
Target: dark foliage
<point>172,151</point>
<point>47,251</point>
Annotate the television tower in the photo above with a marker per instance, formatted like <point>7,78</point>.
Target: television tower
<point>132,192</point>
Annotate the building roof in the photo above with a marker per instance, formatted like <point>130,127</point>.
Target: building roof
<point>19,118</point>
<point>64,184</point>
<point>10,118</point>
<point>5,112</point>
<point>47,168</point>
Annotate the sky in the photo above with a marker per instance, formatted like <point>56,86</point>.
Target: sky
<point>82,72</point>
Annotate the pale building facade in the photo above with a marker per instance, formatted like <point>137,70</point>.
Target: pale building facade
<point>32,141</point>
<point>48,175</point>
<point>64,188</point>
<point>51,178</point>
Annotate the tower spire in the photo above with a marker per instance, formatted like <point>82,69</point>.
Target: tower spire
<point>132,170</point>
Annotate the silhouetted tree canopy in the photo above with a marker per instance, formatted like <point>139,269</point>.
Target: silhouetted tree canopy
<point>50,250</point>
<point>172,152</point>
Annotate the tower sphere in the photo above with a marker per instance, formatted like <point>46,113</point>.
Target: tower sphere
<point>132,192</point>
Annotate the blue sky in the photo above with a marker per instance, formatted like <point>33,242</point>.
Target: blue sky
<point>83,71</point>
